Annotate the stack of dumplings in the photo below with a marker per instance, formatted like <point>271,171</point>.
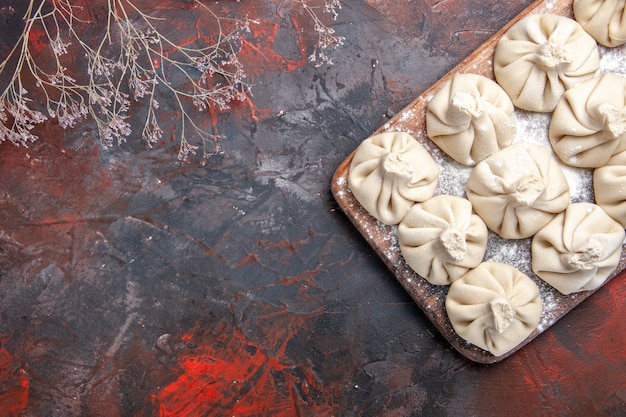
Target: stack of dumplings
<point>516,190</point>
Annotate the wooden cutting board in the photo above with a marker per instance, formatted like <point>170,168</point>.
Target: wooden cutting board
<point>383,239</point>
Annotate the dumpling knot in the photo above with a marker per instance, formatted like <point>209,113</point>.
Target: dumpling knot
<point>528,189</point>
<point>588,258</point>
<point>397,163</point>
<point>614,120</point>
<point>468,103</point>
<point>503,314</point>
<point>551,56</point>
<point>454,243</point>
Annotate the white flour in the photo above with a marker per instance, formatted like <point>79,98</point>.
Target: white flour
<point>531,128</point>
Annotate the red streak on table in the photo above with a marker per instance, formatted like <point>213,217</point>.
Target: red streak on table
<point>13,386</point>
<point>231,373</point>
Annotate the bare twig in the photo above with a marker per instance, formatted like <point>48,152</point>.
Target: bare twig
<point>129,62</point>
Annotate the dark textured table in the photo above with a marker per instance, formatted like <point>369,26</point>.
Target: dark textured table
<point>132,284</point>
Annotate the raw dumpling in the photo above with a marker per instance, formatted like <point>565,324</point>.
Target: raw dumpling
<point>389,173</point>
<point>470,118</point>
<point>541,56</point>
<point>578,249</point>
<point>518,190</point>
<point>609,187</point>
<point>589,122</point>
<point>494,306</point>
<point>442,238</point>
<point>605,20</point>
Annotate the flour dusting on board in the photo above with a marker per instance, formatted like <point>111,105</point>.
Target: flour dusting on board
<point>531,128</point>
<point>612,60</point>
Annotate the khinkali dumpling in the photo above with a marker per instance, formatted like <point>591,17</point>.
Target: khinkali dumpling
<point>542,55</point>
<point>518,190</point>
<point>609,187</point>
<point>442,238</point>
<point>589,122</point>
<point>605,20</point>
<point>470,118</point>
<point>389,173</point>
<point>494,306</point>
<point>578,249</point>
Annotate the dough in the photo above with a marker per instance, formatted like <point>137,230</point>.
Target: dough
<point>494,306</point>
<point>589,122</point>
<point>442,238</point>
<point>578,249</point>
<point>609,187</point>
<point>518,190</point>
<point>470,118</point>
<point>542,55</point>
<point>389,173</point>
<point>605,20</point>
